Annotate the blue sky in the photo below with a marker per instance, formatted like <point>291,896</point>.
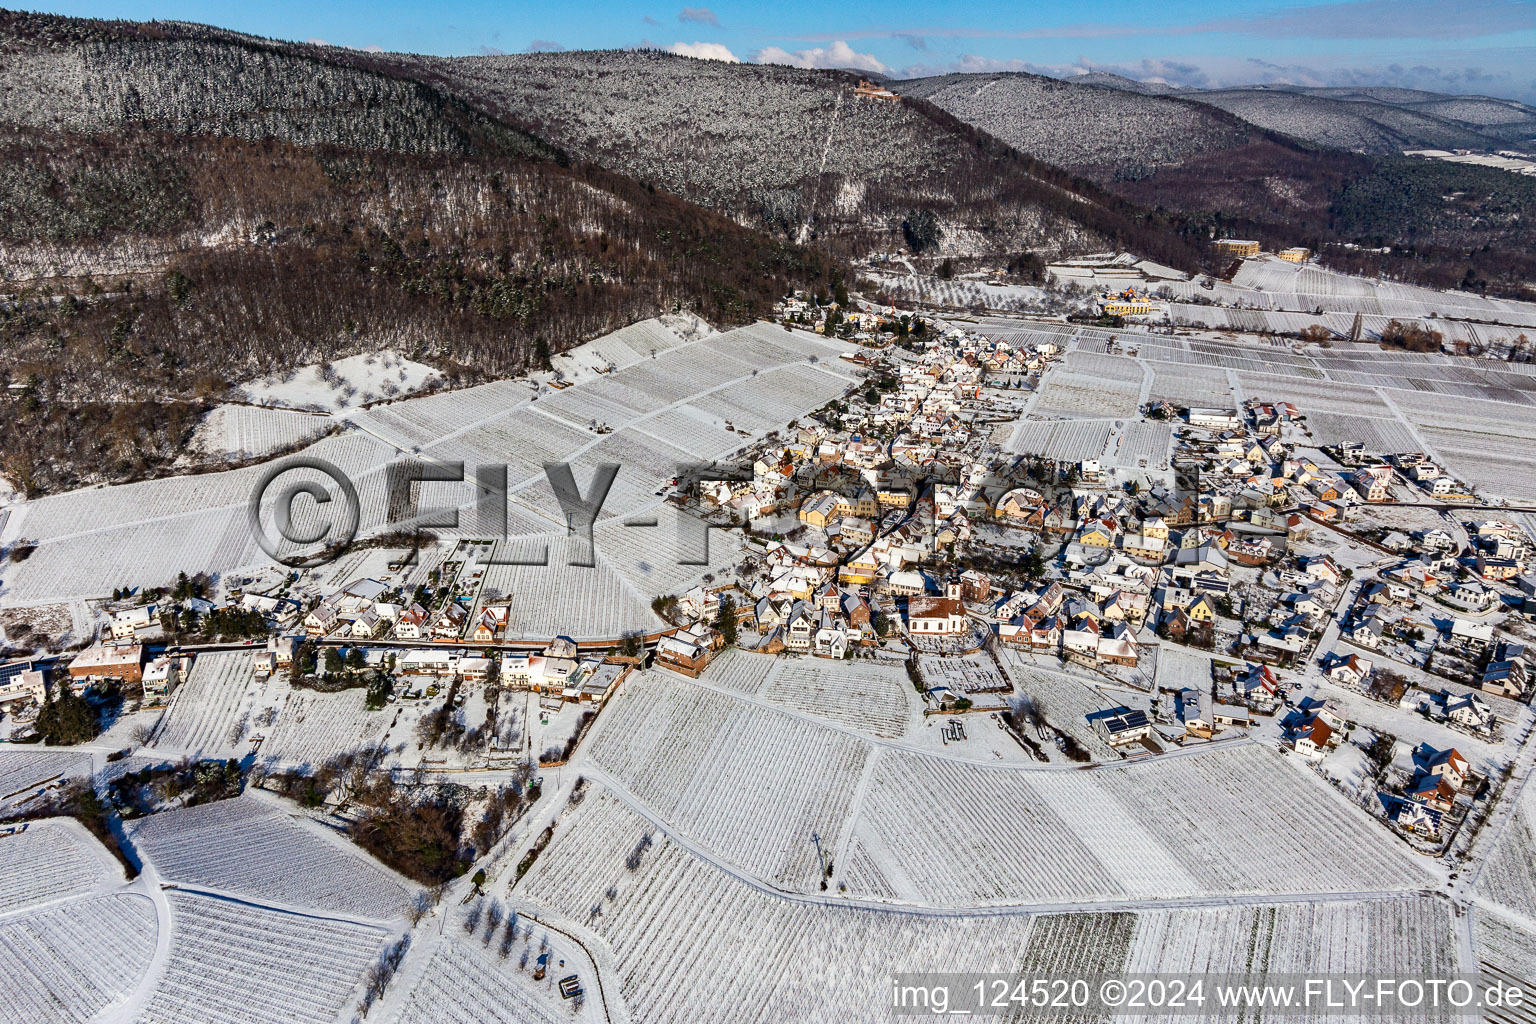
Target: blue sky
<point>1486,46</point>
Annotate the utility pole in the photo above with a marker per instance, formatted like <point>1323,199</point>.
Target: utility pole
<point>820,857</point>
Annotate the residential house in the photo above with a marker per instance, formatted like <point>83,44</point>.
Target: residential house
<point>1120,725</point>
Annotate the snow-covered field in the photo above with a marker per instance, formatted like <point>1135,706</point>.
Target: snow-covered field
<point>64,964</point>
<point>50,859</point>
<point>229,957</point>
<point>353,381</point>
<point>247,847</point>
<point>750,783</point>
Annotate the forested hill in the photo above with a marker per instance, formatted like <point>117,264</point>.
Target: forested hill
<point>219,208</point>
<point>1286,181</point>
<point>797,153</point>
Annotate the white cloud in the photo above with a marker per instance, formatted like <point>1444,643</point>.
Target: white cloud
<point>704,51</point>
<point>837,55</point>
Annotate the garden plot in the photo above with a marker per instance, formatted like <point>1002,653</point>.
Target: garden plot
<point>1179,667</point>
<point>247,431</point>
<point>668,557</point>
<point>312,727</point>
<point>1144,445</point>
<point>563,598</point>
<point>228,957</point>
<point>355,380</point>
<point>464,983</point>
<point>749,783</point>
<point>1073,394</point>
<point>50,859</point>
<point>1508,876</point>
<point>27,768</point>
<point>1116,368</point>
<point>206,712</point>
<point>969,675</point>
<point>1063,701</point>
<point>740,672</point>
<point>1505,951</point>
<point>695,432</point>
<point>64,964</point>
<point>249,848</point>
<point>1491,462</point>
<point>1386,434</point>
<point>692,943</point>
<point>1410,935</point>
<point>1068,440</point>
<point>1174,826</point>
<point>870,696</point>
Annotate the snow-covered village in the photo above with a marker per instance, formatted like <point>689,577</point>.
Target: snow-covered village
<point>593,536</point>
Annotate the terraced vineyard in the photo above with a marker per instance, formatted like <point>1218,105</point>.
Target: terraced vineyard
<point>692,943</point>
<point>248,848</point>
<point>313,726</point>
<point>1174,827</point>
<point>64,964</point>
<point>205,709</point>
<point>750,784</point>
<point>872,697</point>
<point>51,859</point>
<point>228,957</point>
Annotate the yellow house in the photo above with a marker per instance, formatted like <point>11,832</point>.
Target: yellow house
<point>863,506</point>
<point>1127,303</point>
<point>1237,247</point>
<point>819,509</point>
<point>1155,527</point>
<point>860,570</point>
<point>1201,609</point>
<point>1296,255</point>
<point>1095,537</point>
